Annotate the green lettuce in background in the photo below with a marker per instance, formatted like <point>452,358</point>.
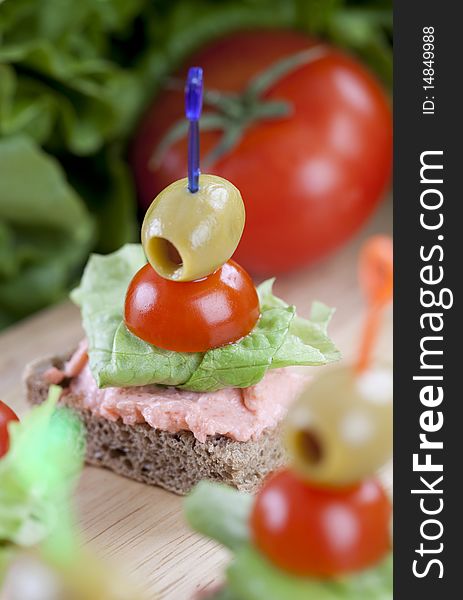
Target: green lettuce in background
<point>45,230</point>
<point>74,79</point>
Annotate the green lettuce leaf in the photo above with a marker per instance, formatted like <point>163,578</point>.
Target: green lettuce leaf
<point>37,477</point>
<point>222,513</point>
<point>118,358</point>
<point>243,363</point>
<point>307,341</point>
<point>251,577</point>
<point>219,512</point>
<point>45,229</point>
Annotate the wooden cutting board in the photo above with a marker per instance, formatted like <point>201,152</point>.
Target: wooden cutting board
<point>140,528</point>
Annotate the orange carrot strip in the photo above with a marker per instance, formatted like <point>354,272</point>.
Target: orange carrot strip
<point>376,281</point>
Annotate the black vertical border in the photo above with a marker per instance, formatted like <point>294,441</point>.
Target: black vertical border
<point>413,134</point>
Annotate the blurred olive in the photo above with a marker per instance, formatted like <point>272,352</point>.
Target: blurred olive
<point>340,430</point>
<point>188,236</point>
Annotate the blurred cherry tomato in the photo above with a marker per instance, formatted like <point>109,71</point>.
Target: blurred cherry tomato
<point>321,532</point>
<point>6,415</point>
<point>192,316</point>
<point>308,179</point>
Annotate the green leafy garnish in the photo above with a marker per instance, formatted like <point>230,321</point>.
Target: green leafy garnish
<point>227,519</point>
<point>222,513</point>
<point>118,358</point>
<point>251,577</point>
<point>37,476</point>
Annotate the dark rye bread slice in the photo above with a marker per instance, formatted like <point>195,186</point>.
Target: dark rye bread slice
<point>174,461</point>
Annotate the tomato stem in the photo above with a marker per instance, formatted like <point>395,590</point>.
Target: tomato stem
<point>236,112</point>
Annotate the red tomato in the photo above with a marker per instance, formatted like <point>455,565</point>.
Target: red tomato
<point>192,316</point>
<point>6,415</point>
<point>321,532</point>
<point>308,180</point>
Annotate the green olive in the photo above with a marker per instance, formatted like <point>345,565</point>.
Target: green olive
<point>340,429</point>
<point>188,236</point>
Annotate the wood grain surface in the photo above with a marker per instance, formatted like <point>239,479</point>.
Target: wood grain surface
<point>140,529</point>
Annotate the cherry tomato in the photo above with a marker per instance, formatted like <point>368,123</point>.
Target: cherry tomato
<point>309,179</point>
<point>192,316</point>
<point>321,532</point>
<point>6,415</point>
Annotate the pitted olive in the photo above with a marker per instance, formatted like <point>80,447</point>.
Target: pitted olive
<point>340,429</point>
<point>187,236</point>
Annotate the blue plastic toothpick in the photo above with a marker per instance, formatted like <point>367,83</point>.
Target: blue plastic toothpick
<point>193,106</point>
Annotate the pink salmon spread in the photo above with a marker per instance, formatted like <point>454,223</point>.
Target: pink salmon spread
<point>238,413</point>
